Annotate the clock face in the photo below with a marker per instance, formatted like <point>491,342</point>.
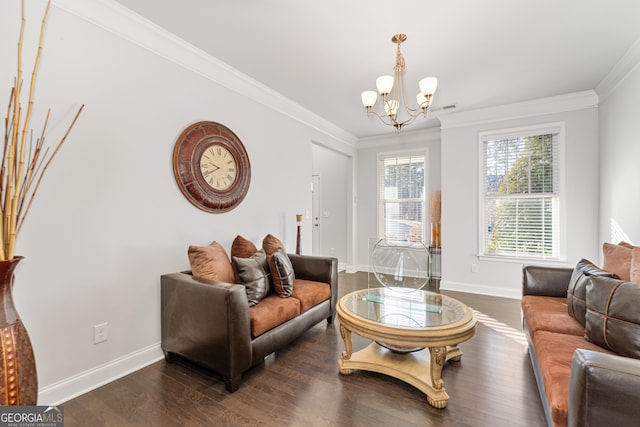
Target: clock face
<point>218,167</point>
<point>211,167</point>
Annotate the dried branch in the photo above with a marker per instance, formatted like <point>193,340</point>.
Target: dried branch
<point>21,172</point>
<point>44,169</point>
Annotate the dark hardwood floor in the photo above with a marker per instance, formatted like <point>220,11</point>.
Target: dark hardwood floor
<point>300,385</point>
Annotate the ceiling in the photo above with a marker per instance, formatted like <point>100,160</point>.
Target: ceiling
<point>322,54</point>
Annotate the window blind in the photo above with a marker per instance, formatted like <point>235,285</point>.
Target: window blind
<point>401,194</point>
<point>521,197</point>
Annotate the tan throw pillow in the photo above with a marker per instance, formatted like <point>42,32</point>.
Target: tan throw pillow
<point>281,273</point>
<point>613,318</point>
<point>242,247</point>
<point>635,265</point>
<point>253,273</point>
<point>211,263</point>
<point>617,260</point>
<point>271,243</point>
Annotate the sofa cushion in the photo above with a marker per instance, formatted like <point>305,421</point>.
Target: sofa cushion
<point>635,265</point>
<point>211,263</point>
<point>282,274</point>
<point>554,353</point>
<point>271,312</point>
<point>242,247</point>
<point>617,259</point>
<point>310,293</point>
<point>253,273</point>
<point>271,243</point>
<point>543,313</point>
<point>577,292</point>
<point>613,315</point>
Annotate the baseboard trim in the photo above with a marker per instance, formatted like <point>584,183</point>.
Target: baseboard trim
<point>481,289</point>
<point>470,288</point>
<point>67,389</point>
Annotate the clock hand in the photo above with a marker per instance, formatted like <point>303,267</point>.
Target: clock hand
<point>216,167</point>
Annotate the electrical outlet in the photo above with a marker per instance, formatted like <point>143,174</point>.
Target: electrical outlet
<point>474,268</point>
<point>100,333</point>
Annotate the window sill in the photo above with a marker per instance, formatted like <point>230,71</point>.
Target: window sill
<point>524,260</point>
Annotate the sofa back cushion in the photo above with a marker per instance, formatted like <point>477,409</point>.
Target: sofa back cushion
<point>577,291</point>
<point>243,248</point>
<point>282,274</point>
<point>253,273</point>
<point>270,244</point>
<point>613,317</point>
<point>635,265</point>
<point>211,263</point>
<point>617,259</point>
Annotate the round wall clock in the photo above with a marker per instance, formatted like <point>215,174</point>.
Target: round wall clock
<point>211,167</point>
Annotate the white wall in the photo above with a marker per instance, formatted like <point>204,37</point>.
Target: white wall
<point>109,218</point>
<point>460,189</point>
<point>619,155</point>
<point>367,182</point>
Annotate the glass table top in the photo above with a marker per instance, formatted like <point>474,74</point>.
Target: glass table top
<point>416,309</point>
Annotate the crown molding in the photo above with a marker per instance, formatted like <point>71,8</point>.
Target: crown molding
<point>420,135</point>
<point>620,72</point>
<point>126,24</point>
<point>538,107</point>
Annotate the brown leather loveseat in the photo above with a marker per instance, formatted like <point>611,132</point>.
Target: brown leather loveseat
<point>213,324</point>
<point>583,329</point>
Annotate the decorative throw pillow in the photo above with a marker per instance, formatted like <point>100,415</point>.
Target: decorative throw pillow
<point>270,244</point>
<point>281,273</point>
<point>613,318</point>
<point>211,263</point>
<point>577,291</point>
<point>617,259</point>
<point>252,274</point>
<point>635,265</point>
<point>242,247</point>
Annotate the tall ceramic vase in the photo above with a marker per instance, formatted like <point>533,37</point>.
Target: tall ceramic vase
<point>18,376</point>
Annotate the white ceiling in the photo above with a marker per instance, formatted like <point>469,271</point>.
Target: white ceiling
<point>322,54</point>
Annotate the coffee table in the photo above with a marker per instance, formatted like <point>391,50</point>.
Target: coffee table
<point>414,333</point>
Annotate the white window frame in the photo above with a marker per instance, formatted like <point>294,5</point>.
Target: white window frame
<point>542,129</point>
<point>379,199</point>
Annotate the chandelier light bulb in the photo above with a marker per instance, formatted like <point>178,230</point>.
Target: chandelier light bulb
<point>391,107</point>
<point>369,98</point>
<point>428,85</point>
<point>384,84</point>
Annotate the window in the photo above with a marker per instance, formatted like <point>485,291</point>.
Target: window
<point>520,197</point>
<point>401,195</point>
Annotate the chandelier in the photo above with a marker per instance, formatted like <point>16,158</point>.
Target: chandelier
<point>393,95</point>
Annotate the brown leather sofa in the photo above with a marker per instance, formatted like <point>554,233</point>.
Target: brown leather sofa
<point>580,382</point>
<point>211,323</point>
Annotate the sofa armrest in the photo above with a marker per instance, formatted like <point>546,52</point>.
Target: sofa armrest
<point>319,269</point>
<point>206,322</point>
<point>603,390</point>
<point>545,281</point>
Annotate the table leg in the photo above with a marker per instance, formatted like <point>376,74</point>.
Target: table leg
<point>438,357</point>
<point>454,353</point>
<point>348,350</point>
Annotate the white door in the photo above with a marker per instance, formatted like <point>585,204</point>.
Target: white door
<point>316,217</point>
